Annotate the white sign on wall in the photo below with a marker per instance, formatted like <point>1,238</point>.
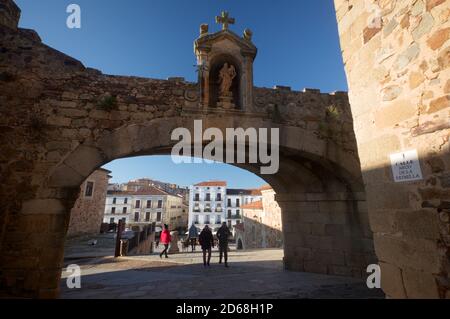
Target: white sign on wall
<point>406,166</point>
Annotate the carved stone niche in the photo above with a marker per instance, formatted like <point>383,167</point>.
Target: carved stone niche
<point>225,64</point>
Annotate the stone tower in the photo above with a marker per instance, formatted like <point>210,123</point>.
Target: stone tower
<point>225,63</point>
<point>9,14</point>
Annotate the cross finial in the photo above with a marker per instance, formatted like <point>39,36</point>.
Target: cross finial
<point>225,20</point>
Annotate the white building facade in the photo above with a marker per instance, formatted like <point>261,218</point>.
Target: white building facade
<point>237,198</point>
<point>141,207</point>
<point>211,203</point>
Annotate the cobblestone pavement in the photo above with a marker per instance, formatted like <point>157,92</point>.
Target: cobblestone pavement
<point>252,274</point>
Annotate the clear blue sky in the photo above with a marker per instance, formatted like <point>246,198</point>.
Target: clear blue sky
<point>297,41</point>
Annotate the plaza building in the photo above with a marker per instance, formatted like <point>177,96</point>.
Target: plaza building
<point>211,203</point>
<point>87,214</point>
<point>144,206</point>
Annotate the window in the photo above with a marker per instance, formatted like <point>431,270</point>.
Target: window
<point>89,189</point>
<point>207,219</point>
<point>197,197</point>
<point>136,216</point>
<point>124,210</point>
<point>147,216</point>
<point>113,210</point>
<point>229,213</point>
<point>238,222</point>
<point>237,202</point>
<point>208,197</point>
<point>114,200</point>
<point>219,197</point>
<point>138,204</point>
<point>111,220</point>
<point>238,212</point>
<point>158,216</point>
<point>124,220</point>
<point>229,224</point>
<point>149,204</point>
<point>159,203</point>
<point>218,219</point>
<point>125,201</point>
<point>229,201</point>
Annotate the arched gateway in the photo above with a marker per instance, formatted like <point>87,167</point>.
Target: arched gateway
<point>61,121</point>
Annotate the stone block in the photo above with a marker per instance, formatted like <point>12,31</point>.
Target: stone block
<point>439,104</point>
<point>418,254</point>
<point>420,285</point>
<point>85,159</point>
<point>43,206</point>
<point>394,113</point>
<point>334,230</point>
<point>65,176</point>
<point>315,267</point>
<point>438,38</point>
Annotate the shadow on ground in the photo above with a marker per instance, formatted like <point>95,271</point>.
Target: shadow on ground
<point>142,278</point>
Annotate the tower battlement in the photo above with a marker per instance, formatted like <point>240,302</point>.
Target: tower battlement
<point>9,14</point>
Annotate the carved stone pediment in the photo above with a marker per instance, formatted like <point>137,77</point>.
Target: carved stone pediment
<point>225,67</point>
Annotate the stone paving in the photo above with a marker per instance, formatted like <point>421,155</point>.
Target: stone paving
<point>81,246</point>
<point>252,274</point>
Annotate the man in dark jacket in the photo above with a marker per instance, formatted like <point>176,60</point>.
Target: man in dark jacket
<point>222,234</point>
<point>206,240</point>
<point>193,235</point>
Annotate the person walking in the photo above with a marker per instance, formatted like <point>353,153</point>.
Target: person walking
<point>193,235</point>
<point>165,240</point>
<point>222,234</point>
<point>206,240</point>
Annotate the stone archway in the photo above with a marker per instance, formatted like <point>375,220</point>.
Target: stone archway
<point>66,120</point>
<point>322,201</point>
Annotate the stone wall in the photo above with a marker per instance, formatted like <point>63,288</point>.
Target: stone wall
<point>397,58</point>
<point>86,215</point>
<point>327,233</point>
<point>9,14</point>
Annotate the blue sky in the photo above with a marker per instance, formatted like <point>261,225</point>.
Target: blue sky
<point>297,42</point>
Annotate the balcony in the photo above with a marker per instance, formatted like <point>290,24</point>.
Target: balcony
<point>234,217</point>
<point>196,209</point>
<point>219,210</point>
<point>207,210</point>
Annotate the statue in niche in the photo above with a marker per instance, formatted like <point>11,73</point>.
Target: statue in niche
<point>226,77</point>
<point>227,74</point>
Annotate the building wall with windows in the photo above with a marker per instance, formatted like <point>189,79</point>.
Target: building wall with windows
<point>87,214</point>
<point>175,213</point>
<point>207,204</point>
<point>236,198</point>
<point>141,207</point>
<point>212,203</point>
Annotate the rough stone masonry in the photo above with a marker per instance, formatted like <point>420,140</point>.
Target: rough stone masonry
<point>397,59</point>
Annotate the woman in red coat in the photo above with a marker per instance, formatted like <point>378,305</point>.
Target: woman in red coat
<point>165,240</point>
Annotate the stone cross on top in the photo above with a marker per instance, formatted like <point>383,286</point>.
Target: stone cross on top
<point>225,20</point>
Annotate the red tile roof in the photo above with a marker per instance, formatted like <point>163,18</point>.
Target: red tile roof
<point>253,205</point>
<point>150,190</point>
<point>265,187</point>
<point>212,183</point>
